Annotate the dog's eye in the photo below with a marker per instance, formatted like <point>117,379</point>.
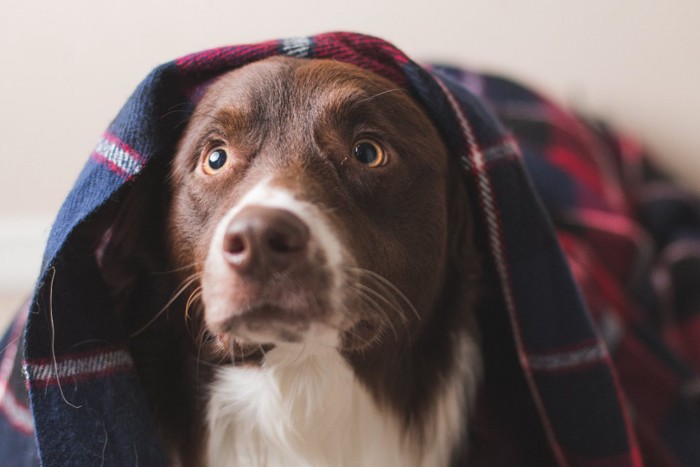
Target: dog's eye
<point>215,161</point>
<point>369,152</point>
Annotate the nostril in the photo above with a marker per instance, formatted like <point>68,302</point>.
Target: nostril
<point>287,237</point>
<point>279,243</point>
<point>234,244</point>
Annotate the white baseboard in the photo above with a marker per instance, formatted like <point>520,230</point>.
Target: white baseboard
<point>22,242</point>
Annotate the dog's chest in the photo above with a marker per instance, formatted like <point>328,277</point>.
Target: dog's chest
<point>311,412</point>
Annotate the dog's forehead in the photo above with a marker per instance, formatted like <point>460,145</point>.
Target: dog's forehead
<point>290,79</point>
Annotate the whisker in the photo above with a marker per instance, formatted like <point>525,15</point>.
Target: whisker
<point>388,284</point>
<point>355,335</point>
<point>176,111</point>
<point>187,283</point>
<point>189,321</point>
<point>380,94</point>
<point>203,339</point>
<point>391,300</point>
<point>377,307</point>
<point>199,340</point>
<point>192,299</point>
<point>172,271</point>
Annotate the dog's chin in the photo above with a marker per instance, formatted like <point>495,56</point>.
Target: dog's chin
<point>231,349</point>
<point>268,323</point>
<point>248,334</point>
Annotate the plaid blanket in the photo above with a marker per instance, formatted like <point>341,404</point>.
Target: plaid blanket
<point>592,341</point>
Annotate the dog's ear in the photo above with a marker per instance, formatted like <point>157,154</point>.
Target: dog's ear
<point>462,248</point>
<point>134,260</point>
<point>132,252</point>
<point>463,288</point>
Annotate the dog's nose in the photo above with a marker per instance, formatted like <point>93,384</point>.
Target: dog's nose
<point>260,241</point>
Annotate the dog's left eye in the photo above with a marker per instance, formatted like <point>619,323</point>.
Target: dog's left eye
<point>215,161</point>
<point>369,152</point>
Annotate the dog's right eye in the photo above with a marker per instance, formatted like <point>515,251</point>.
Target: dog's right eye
<point>215,161</point>
<point>369,152</point>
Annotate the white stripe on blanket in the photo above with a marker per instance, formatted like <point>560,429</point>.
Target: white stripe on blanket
<point>80,367</point>
<point>115,153</point>
<point>564,360</point>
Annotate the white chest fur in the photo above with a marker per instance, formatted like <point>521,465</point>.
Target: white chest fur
<point>310,410</point>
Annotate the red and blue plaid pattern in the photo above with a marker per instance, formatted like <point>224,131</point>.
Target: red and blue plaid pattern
<point>590,333</point>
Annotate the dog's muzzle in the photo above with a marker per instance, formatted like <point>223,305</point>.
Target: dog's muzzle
<point>272,272</point>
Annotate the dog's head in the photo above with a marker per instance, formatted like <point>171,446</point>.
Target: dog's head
<point>317,203</point>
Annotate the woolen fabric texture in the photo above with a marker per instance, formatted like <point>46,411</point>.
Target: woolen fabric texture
<point>591,335</point>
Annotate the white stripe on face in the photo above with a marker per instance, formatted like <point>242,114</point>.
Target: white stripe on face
<point>323,240</point>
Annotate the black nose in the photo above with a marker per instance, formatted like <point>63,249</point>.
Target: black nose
<point>260,241</point>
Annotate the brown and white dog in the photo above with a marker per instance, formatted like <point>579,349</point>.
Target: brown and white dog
<point>321,234</point>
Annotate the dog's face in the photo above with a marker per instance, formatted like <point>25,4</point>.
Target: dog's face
<point>311,198</point>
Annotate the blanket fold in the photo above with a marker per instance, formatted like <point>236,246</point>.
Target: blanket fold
<point>592,334</point>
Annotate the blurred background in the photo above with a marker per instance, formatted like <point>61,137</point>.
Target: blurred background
<point>66,68</point>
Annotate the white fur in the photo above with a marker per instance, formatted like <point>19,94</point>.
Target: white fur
<point>305,407</point>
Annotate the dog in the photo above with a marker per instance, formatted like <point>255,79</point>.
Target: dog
<point>323,278</point>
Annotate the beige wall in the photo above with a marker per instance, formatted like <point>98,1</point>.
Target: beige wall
<point>67,66</point>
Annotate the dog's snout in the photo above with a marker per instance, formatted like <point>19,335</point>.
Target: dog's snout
<point>260,240</point>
